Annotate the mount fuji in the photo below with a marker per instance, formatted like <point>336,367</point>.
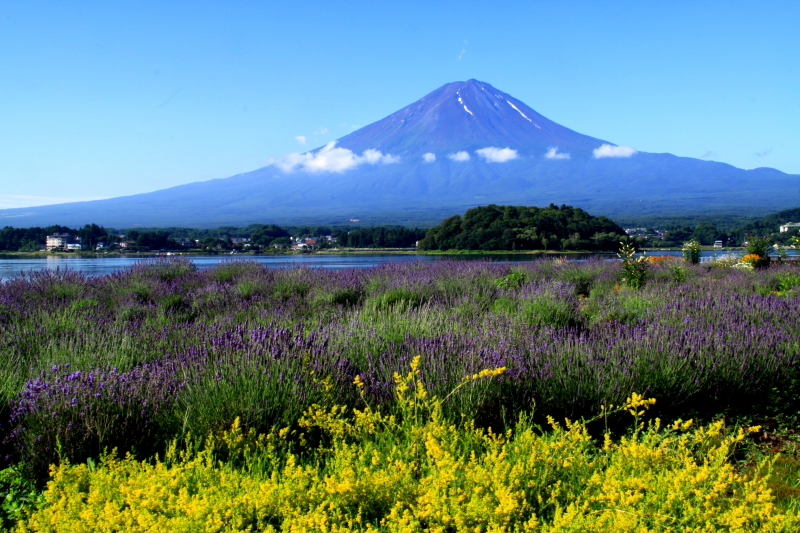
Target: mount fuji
<point>464,144</point>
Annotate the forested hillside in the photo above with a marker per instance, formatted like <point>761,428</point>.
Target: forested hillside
<point>495,227</point>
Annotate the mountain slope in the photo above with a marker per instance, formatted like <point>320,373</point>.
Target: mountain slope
<point>462,145</point>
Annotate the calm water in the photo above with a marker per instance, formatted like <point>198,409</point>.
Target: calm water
<point>95,266</point>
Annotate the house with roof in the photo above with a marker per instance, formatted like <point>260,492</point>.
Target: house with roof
<point>62,242</point>
<point>790,226</point>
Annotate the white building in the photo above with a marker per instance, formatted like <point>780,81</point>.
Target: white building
<point>60,241</point>
<point>790,226</point>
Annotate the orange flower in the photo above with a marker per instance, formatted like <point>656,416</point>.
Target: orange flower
<point>660,259</point>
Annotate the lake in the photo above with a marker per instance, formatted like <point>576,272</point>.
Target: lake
<point>13,266</point>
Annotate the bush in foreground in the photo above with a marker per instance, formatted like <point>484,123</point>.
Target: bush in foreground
<point>415,471</point>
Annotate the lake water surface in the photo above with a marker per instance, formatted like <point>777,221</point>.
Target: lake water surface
<point>12,266</point>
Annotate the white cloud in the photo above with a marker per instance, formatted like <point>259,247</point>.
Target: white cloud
<point>461,54</point>
<point>11,201</point>
<point>373,157</point>
<point>430,157</point>
<point>459,156</point>
<point>608,150</point>
<point>321,131</point>
<point>333,159</point>
<point>497,155</point>
<point>553,153</point>
<point>301,139</point>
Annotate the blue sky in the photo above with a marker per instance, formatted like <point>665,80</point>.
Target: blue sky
<point>103,99</point>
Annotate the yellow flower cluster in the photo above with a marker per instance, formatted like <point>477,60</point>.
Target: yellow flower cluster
<point>423,474</point>
<point>487,373</point>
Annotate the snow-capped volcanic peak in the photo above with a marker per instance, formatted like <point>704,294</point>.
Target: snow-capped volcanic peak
<point>462,145</point>
<point>467,116</point>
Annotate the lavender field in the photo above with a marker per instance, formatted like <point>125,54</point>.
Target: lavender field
<point>159,351</point>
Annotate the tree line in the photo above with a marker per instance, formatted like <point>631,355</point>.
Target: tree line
<point>380,237</point>
<point>706,233</point>
<point>32,239</point>
<point>260,235</point>
<point>507,227</point>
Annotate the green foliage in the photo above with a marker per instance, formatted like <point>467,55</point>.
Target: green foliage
<point>290,287</point>
<point>155,240</point>
<point>548,310</point>
<point>678,273</point>
<point>691,252</point>
<point>723,222</point>
<point>758,245</point>
<point>785,284</point>
<point>380,237</point>
<point>634,268</point>
<point>397,299</point>
<point>266,235</point>
<point>511,228</point>
<point>250,288</point>
<point>346,297</point>
<point>769,223</point>
<point>511,281</point>
<point>18,495</point>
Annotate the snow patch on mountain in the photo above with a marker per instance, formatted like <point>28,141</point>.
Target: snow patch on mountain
<point>520,112</point>
<point>523,114</point>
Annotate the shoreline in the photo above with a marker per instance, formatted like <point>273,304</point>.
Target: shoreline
<point>350,251</point>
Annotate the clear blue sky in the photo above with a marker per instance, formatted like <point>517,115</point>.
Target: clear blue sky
<point>102,99</point>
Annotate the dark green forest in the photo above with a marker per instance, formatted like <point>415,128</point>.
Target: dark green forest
<point>495,227</point>
<point>380,237</point>
<point>707,232</point>
<point>770,223</point>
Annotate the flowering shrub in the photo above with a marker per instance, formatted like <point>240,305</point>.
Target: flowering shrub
<point>691,252</point>
<point>754,260</point>
<point>74,414</point>
<point>420,473</point>
<point>634,268</point>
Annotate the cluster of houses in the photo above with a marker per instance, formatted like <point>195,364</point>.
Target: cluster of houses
<point>642,232</point>
<point>64,242</point>
<point>309,243</point>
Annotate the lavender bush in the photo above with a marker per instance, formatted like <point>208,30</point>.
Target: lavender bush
<point>137,358</point>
